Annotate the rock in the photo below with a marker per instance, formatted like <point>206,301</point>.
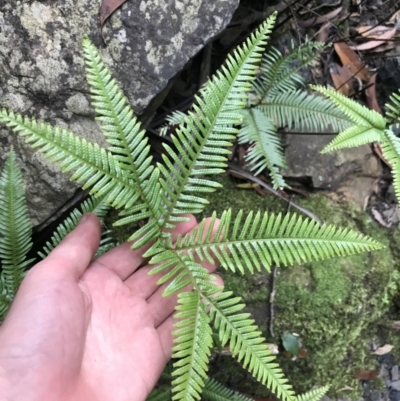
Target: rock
<point>351,171</point>
<point>42,74</point>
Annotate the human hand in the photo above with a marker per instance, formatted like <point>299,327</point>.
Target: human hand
<point>87,330</point>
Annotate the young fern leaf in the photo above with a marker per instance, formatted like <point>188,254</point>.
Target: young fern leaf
<point>202,140</point>
<point>394,108</point>
<point>15,232</point>
<point>247,344</point>
<point>94,165</point>
<point>391,152</point>
<point>193,342</point>
<point>278,74</point>
<point>91,205</point>
<point>357,113</point>
<point>266,239</point>
<point>313,395</point>
<point>266,149</point>
<point>129,144</point>
<point>304,111</point>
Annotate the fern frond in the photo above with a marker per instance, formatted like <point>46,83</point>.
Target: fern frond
<point>91,205</point>
<point>304,111</point>
<point>160,394</point>
<point>175,118</point>
<point>214,391</point>
<point>92,164</point>
<point>280,73</point>
<point>391,151</point>
<point>15,228</point>
<point>313,395</point>
<point>202,141</point>
<point>356,135</point>
<point>359,114</point>
<point>129,144</point>
<point>246,343</point>
<point>265,239</point>
<point>266,149</point>
<point>394,108</point>
<point>193,344</point>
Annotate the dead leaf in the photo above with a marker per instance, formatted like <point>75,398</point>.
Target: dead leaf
<point>383,350</point>
<point>366,375</point>
<point>107,8</point>
<point>342,79</point>
<point>349,59</point>
<point>302,353</point>
<point>323,33</point>
<point>371,94</point>
<point>370,31</point>
<point>371,44</point>
<point>320,19</point>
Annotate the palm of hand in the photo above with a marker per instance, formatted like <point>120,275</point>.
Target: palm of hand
<point>97,332</point>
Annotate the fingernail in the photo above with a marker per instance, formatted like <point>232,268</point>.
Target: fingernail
<point>83,219</point>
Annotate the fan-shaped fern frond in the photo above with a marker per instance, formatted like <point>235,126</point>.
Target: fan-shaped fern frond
<point>193,344</point>
<point>391,151</point>
<point>129,144</point>
<point>394,108</point>
<point>265,239</point>
<point>202,141</point>
<point>356,135</point>
<point>304,111</point>
<point>91,205</point>
<point>313,395</point>
<point>280,73</point>
<point>356,112</point>
<point>266,149</point>
<point>94,165</point>
<point>15,229</point>
<point>246,343</point>
<point>214,391</point>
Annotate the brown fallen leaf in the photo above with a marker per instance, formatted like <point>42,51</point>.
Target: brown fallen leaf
<point>320,19</point>
<point>366,375</point>
<point>385,349</point>
<point>371,94</point>
<point>349,59</point>
<point>107,8</point>
<point>342,79</point>
<point>371,31</point>
<point>323,33</point>
<point>371,44</point>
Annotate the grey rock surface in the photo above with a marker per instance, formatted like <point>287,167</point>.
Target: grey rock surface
<point>42,74</point>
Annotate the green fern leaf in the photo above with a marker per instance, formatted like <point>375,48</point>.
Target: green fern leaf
<point>93,165</point>
<point>356,135</point>
<point>201,142</point>
<point>214,391</point>
<point>15,231</point>
<point>91,205</point>
<point>266,149</point>
<point>175,118</point>
<point>246,343</point>
<point>265,239</point>
<point>313,395</point>
<point>394,108</point>
<point>304,111</point>
<point>280,73</point>
<point>129,144</point>
<point>391,152</point>
<point>193,342</point>
<point>359,114</point>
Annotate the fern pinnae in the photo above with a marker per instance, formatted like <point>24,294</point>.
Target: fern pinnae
<point>193,342</point>
<point>93,165</point>
<point>391,151</point>
<point>358,113</point>
<point>15,229</point>
<point>129,143</point>
<point>394,108</point>
<point>313,395</point>
<point>215,391</point>
<point>208,131</point>
<point>264,239</point>
<point>266,149</point>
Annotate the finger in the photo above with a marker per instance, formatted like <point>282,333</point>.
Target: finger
<point>165,329</point>
<point>74,253</point>
<point>123,261</point>
<point>160,306</point>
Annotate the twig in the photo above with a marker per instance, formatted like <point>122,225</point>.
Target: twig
<point>271,302</point>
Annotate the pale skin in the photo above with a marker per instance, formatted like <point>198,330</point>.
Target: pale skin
<point>87,330</point>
